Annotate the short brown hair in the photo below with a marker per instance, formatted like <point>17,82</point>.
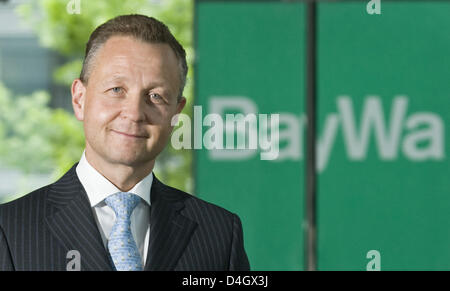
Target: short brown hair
<point>147,29</point>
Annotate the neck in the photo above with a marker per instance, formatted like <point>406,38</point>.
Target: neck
<point>124,177</point>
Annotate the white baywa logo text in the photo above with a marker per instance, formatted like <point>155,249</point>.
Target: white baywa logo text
<point>247,142</point>
<point>418,135</point>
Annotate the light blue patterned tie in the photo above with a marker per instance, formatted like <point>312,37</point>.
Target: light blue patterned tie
<point>121,244</point>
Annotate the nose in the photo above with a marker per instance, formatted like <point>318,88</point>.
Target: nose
<point>134,108</point>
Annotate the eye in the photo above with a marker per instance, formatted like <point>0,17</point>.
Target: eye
<point>156,97</point>
<point>116,90</point>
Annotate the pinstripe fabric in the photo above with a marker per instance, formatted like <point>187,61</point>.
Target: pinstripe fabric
<point>186,233</point>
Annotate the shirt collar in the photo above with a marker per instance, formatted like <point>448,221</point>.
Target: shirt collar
<point>98,187</point>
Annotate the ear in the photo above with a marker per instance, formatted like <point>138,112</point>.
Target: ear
<point>78,98</point>
<point>181,104</point>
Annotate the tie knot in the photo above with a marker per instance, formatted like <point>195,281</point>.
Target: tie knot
<point>123,203</point>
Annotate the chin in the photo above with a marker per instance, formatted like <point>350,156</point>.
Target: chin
<point>131,159</point>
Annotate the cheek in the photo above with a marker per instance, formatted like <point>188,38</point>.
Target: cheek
<point>155,115</point>
<point>98,114</point>
<point>164,122</point>
<point>165,116</point>
<point>160,134</point>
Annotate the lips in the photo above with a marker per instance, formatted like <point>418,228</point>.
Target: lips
<point>131,135</point>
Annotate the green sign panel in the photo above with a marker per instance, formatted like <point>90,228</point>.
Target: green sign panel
<point>383,192</point>
<point>384,109</point>
<point>250,60</point>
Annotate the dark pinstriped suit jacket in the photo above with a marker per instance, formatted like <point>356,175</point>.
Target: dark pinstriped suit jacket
<point>186,233</point>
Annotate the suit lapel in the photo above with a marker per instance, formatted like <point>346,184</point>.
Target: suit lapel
<point>170,231</point>
<point>72,222</point>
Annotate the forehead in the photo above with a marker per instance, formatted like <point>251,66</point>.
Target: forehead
<point>132,58</point>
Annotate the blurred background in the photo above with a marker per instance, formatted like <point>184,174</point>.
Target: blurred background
<point>382,113</point>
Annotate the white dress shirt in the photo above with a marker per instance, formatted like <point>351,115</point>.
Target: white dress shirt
<point>98,188</point>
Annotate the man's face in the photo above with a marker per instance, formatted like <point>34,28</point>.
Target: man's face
<point>129,101</point>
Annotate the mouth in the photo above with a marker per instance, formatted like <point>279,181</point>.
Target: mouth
<point>130,135</point>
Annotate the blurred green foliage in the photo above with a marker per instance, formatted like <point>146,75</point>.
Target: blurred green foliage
<point>37,138</point>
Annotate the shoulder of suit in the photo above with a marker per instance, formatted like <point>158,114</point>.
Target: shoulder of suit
<point>194,203</point>
<point>22,206</point>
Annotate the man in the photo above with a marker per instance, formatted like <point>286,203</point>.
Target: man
<point>109,211</point>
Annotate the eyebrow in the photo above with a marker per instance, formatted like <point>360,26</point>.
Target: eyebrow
<point>152,84</point>
<point>113,79</point>
<point>156,83</point>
